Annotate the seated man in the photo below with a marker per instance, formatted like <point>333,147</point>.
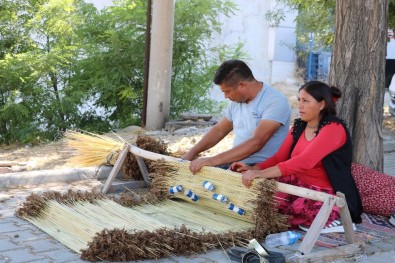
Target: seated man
<point>259,115</point>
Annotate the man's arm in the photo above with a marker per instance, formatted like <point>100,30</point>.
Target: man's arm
<point>212,137</point>
<point>261,135</point>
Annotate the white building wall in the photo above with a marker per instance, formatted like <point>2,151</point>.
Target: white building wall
<point>270,50</point>
<point>249,26</point>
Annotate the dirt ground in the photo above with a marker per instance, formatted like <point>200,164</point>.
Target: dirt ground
<point>54,155</point>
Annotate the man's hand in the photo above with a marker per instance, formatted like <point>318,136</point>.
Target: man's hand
<point>198,163</point>
<point>188,156</point>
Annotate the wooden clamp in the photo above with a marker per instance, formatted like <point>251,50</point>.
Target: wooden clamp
<point>320,220</point>
<point>117,166</point>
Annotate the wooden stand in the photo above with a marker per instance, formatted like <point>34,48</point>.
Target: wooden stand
<point>117,166</point>
<point>303,252</point>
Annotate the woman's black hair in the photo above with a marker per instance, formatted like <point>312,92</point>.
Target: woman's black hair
<point>321,91</point>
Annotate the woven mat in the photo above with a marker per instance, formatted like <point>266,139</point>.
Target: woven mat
<point>373,229</point>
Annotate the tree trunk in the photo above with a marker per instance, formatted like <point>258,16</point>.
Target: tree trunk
<point>357,68</point>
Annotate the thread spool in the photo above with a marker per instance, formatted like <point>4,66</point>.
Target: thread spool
<point>221,198</point>
<point>175,189</point>
<point>236,209</point>
<point>208,185</point>
<point>191,195</point>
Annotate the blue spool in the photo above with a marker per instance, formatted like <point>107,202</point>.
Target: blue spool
<point>209,186</point>
<point>236,209</point>
<point>221,198</point>
<point>175,189</point>
<point>191,195</point>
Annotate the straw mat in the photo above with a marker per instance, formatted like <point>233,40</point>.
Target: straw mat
<point>74,225</point>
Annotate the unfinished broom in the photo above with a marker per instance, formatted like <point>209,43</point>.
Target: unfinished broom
<point>204,219</point>
<point>166,227</point>
<point>228,196</point>
<point>92,149</point>
<point>100,229</point>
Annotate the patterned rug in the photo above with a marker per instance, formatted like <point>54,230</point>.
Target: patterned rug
<point>372,229</point>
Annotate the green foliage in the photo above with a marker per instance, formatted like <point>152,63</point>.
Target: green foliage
<point>275,16</point>
<point>314,16</point>
<point>194,61</point>
<point>317,16</point>
<point>64,64</point>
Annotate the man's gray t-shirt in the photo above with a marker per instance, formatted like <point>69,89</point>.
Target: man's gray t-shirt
<point>269,104</point>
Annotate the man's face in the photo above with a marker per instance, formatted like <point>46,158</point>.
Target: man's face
<point>233,93</point>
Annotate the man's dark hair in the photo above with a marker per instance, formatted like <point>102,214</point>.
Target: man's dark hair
<point>231,72</point>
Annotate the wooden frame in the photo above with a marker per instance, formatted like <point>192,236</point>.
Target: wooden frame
<point>117,166</point>
<point>329,201</point>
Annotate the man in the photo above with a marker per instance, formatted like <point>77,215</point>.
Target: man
<point>258,114</point>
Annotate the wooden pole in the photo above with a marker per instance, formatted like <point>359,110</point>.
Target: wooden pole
<point>316,227</point>
<point>345,218</point>
<point>146,63</point>
<point>115,169</point>
<point>160,66</point>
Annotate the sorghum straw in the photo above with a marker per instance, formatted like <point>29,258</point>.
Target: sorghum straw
<point>155,226</point>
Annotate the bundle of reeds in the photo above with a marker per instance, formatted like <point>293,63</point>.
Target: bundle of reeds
<point>91,149</point>
<point>168,210</point>
<point>237,201</point>
<point>85,223</point>
<point>227,185</point>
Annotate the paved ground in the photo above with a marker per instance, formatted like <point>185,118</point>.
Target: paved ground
<point>21,241</point>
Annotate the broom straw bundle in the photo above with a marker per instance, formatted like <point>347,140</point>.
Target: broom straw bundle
<point>95,149</point>
<point>76,223</point>
<point>92,149</point>
<point>225,183</point>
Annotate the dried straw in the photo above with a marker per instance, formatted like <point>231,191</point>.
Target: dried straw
<point>77,221</point>
<point>226,183</point>
<point>92,149</point>
<point>76,225</point>
<point>168,174</point>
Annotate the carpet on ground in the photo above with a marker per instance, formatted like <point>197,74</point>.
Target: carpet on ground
<point>373,228</point>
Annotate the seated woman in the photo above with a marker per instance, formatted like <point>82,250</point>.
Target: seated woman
<point>316,154</point>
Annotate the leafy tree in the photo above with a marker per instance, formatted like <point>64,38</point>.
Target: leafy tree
<point>193,70</point>
<point>113,68</point>
<point>319,17</point>
<point>41,48</point>
<point>64,64</point>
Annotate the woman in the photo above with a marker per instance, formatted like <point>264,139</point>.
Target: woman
<point>316,154</point>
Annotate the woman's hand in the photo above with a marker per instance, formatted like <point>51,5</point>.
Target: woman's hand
<point>248,176</point>
<point>239,167</point>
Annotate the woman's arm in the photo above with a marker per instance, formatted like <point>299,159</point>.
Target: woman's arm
<point>330,138</point>
<point>281,155</point>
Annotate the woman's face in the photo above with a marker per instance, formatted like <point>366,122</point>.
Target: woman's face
<point>309,108</point>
